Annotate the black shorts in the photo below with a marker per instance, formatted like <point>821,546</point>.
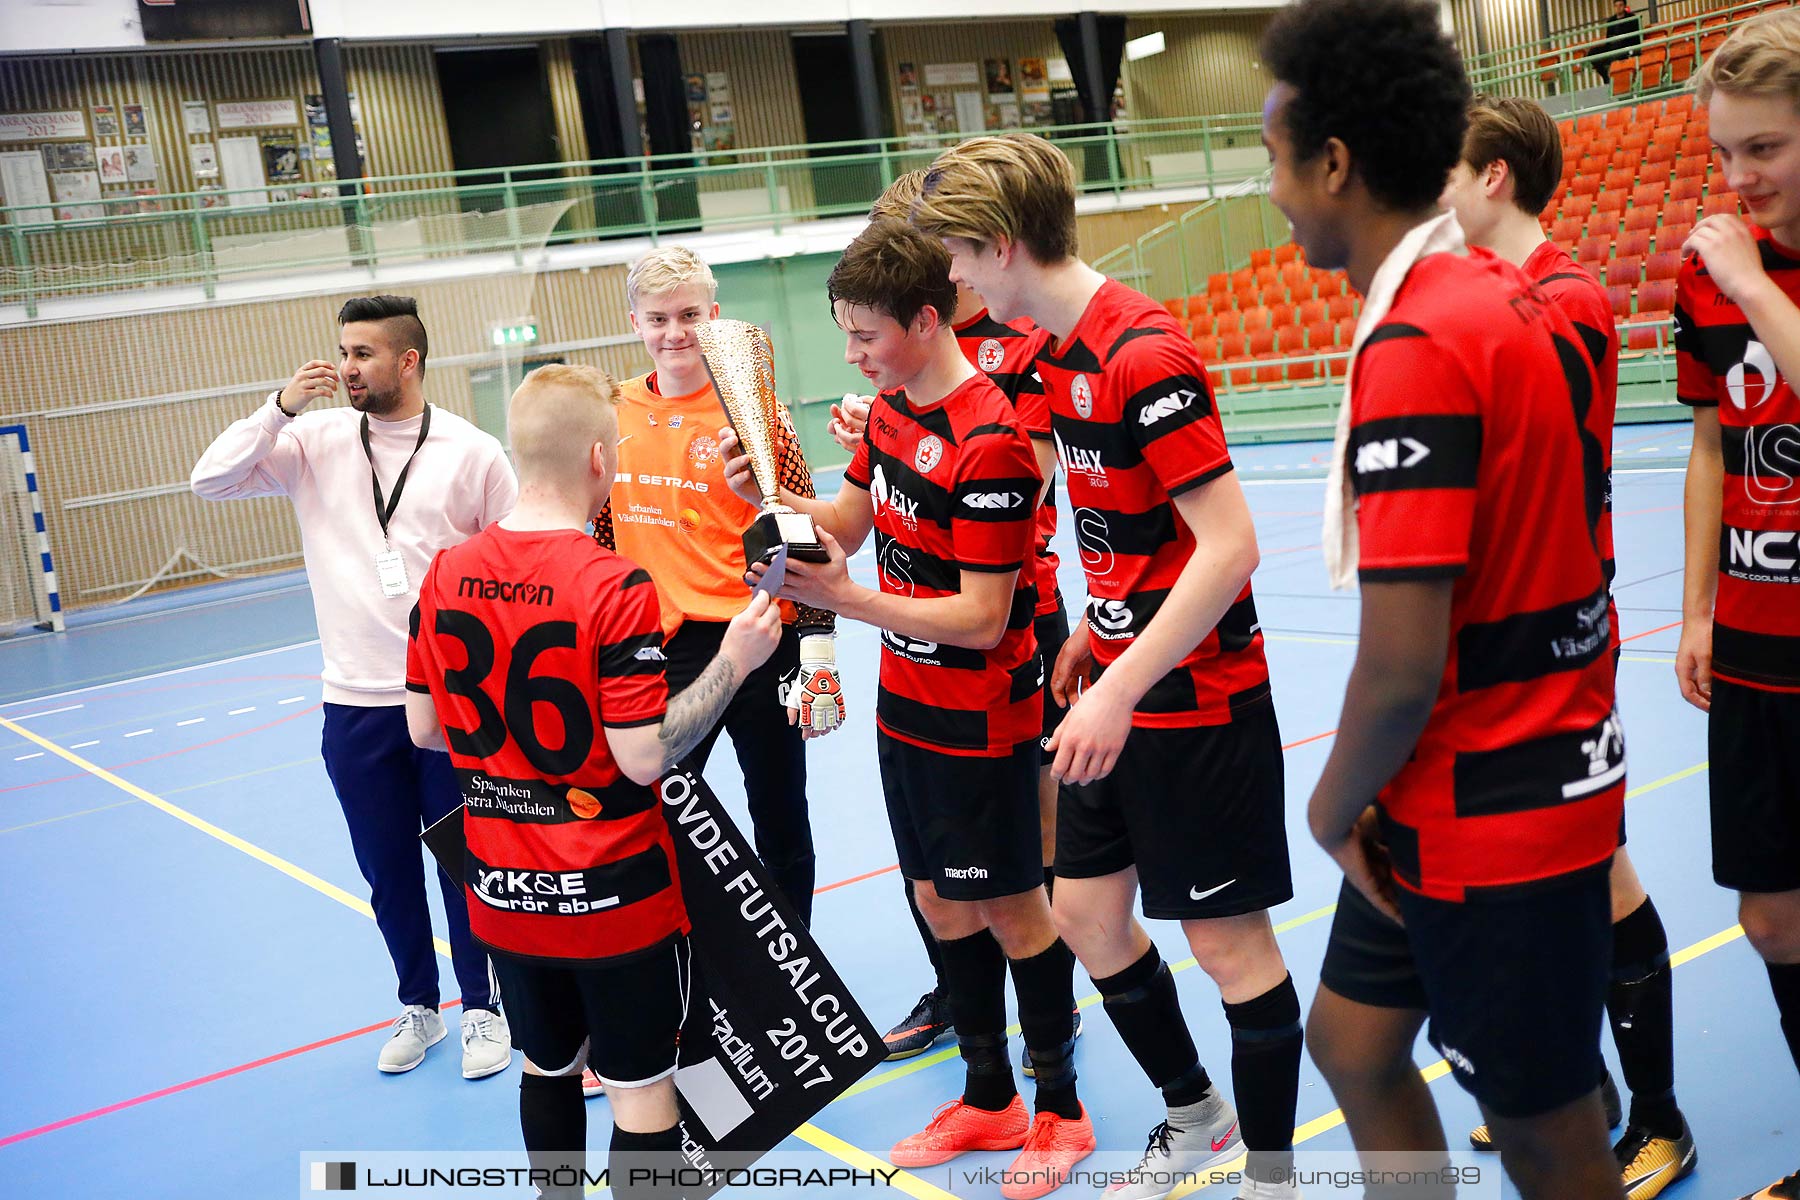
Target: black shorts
<point>1751,735</point>
<point>1200,812</point>
<point>968,825</point>
<point>1515,984</point>
<point>616,1015</point>
<point>1052,631</point>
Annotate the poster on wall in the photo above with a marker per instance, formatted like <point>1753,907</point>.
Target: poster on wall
<point>196,117</point>
<point>76,194</point>
<point>112,164</point>
<point>998,74</point>
<point>940,75</point>
<point>241,161</point>
<point>970,114</point>
<point>42,126</point>
<point>696,89</point>
<point>718,87</point>
<point>281,157</point>
<point>1003,114</point>
<point>912,114</point>
<point>22,184</point>
<point>255,114</point>
<point>106,121</point>
<point>140,164</point>
<point>1034,81</point>
<point>68,156</point>
<point>909,75</point>
<point>204,160</point>
<point>135,124</point>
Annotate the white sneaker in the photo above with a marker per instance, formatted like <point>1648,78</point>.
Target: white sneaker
<point>487,1043</point>
<point>590,1084</point>
<point>1196,1138</point>
<point>415,1030</point>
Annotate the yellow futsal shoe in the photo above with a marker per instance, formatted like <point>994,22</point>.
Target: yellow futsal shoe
<point>1648,1164</point>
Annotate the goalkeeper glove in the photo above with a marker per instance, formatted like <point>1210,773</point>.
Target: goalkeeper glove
<point>816,694</point>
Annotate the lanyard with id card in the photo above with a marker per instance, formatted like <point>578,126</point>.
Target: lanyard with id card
<point>390,566</point>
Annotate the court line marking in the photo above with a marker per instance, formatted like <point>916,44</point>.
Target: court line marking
<point>199,666</point>
<point>825,1141</point>
<point>49,712</point>
<point>297,873</point>
<point>913,1065</point>
<point>862,1160</point>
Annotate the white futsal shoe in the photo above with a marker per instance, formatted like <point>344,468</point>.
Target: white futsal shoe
<point>487,1043</point>
<point>415,1031</point>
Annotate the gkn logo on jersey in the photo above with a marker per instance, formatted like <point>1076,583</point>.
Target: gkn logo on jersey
<point>994,501</point>
<point>1390,454</point>
<point>990,355</point>
<point>1078,461</point>
<point>1168,406</point>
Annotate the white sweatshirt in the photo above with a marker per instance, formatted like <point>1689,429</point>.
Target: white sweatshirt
<point>459,484</point>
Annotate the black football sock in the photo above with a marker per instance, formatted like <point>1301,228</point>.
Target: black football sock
<point>553,1118</point>
<point>975,978</point>
<point>931,945</point>
<point>1142,1003</point>
<point>1639,1004</point>
<point>642,1166</point>
<point>1266,1042</point>
<point>1045,984</point>
<point>1784,981</point>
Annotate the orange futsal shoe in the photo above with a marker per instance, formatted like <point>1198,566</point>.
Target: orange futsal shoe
<point>1052,1148</point>
<point>957,1128</point>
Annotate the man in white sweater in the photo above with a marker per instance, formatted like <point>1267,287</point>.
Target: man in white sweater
<point>379,488</point>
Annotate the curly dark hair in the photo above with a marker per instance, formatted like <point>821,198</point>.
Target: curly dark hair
<point>895,269</point>
<point>1381,77</point>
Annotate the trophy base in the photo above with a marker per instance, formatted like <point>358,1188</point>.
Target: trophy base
<point>774,528</point>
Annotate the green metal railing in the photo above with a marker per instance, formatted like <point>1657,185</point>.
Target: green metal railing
<point>204,239</point>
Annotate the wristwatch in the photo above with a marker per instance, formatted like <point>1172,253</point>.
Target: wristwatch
<point>275,399</point>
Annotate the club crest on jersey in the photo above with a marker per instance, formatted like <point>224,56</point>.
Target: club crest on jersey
<point>929,454</point>
<point>1081,392</point>
<point>703,452</point>
<point>989,355</point>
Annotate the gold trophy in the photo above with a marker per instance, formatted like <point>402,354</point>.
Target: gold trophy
<point>741,361</point>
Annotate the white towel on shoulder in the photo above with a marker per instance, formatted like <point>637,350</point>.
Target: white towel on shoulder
<point>1440,235</point>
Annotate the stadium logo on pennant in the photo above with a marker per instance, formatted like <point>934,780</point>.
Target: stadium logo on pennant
<point>929,454</point>
<point>1082,393</point>
<point>990,355</point>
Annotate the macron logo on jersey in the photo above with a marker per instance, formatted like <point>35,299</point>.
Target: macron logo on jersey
<point>1168,406</point>
<point>1384,455</point>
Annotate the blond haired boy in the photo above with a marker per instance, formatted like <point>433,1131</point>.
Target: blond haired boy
<point>1737,346</point>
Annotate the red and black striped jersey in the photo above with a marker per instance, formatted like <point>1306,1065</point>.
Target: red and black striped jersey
<point>1007,354</point>
<point>1720,362</point>
<point>1468,460</point>
<point>531,643</point>
<point>1582,298</point>
<point>1135,427</point>
<point>953,486</point>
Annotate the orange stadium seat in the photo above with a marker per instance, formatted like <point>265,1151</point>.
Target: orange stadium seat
<point>1670,237</point>
<point>1595,248</point>
<point>1609,206</point>
<point>1664,264</point>
<point>1311,311</point>
<point>1207,348</point>
<point>1620,297</point>
<point>1648,195</point>
<point>1656,296</point>
<point>1257,319</point>
<point>1641,219</point>
<point>1632,243</point>
<point>1680,212</point>
<point>1625,270</point>
<point>1288,252</point>
<point>1340,306</point>
<point>1346,331</point>
<point>1320,335</point>
<point>1619,179</point>
<point>1720,202</point>
<point>1262,257</point>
